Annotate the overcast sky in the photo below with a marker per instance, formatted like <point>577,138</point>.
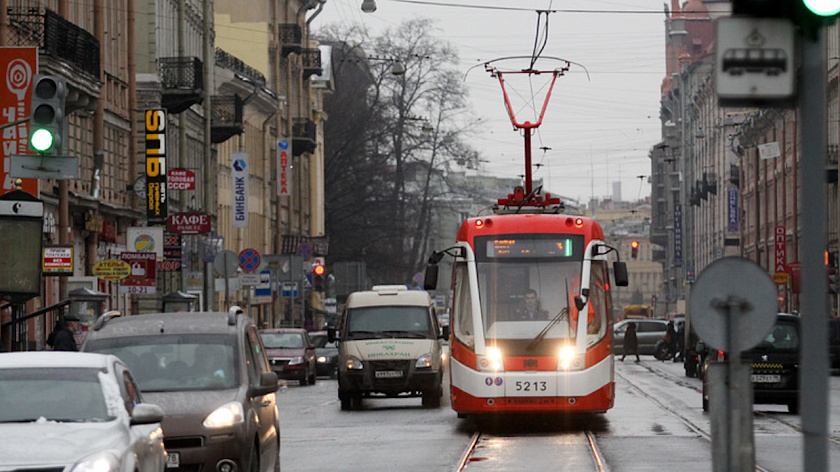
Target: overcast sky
<point>599,130</point>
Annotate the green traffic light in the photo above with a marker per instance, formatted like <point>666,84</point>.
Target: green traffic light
<point>824,8</point>
<point>42,140</point>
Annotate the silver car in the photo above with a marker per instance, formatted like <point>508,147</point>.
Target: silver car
<point>73,412</point>
<point>648,331</point>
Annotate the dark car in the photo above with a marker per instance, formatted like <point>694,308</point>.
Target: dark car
<point>291,354</point>
<point>775,365</point>
<point>326,354</point>
<point>210,374</point>
<point>648,332</point>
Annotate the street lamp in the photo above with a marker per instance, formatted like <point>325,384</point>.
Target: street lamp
<point>369,6</point>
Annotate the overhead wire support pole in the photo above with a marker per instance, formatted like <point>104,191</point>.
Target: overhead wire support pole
<point>814,353</point>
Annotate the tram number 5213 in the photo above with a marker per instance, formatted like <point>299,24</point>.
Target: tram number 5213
<point>527,386</point>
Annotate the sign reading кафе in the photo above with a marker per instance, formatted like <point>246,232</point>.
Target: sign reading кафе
<point>155,125</point>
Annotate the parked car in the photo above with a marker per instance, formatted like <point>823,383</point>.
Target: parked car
<point>291,354</point>
<point>775,365</point>
<point>648,332</point>
<point>210,374</point>
<point>326,354</point>
<point>74,412</point>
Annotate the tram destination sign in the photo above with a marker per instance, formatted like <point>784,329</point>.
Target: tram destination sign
<point>531,246</point>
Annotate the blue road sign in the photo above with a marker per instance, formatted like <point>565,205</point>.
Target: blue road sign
<point>249,260</point>
<point>264,287</point>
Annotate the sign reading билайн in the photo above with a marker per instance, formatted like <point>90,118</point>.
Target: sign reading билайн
<point>155,125</point>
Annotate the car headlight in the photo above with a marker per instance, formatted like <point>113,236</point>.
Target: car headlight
<point>424,361</point>
<point>226,415</point>
<point>296,360</point>
<point>99,462</point>
<point>354,363</point>
<point>322,359</point>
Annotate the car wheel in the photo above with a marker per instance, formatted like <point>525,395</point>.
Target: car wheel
<point>431,398</point>
<point>312,377</point>
<point>356,401</point>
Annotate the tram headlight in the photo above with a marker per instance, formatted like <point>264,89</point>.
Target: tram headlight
<point>354,363</point>
<point>568,360</point>
<point>494,358</point>
<point>424,361</point>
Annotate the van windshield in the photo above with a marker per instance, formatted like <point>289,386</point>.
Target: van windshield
<point>389,322</point>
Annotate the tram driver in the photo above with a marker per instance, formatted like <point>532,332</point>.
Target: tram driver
<point>531,308</point>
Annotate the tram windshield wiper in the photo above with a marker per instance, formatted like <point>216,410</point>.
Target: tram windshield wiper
<point>564,313</point>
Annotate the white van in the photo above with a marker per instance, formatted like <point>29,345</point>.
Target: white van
<point>390,345</point>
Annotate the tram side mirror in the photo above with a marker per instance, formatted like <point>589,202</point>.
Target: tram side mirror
<point>430,280</point>
<point>620,274</point>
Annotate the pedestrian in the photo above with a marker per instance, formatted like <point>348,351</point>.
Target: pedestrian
<point>631,342</point>
<point>669,341</point>
<point>64,339</point>
<point>679,341</point>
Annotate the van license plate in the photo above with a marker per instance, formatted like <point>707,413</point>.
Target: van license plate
<point>388,374</point>
<point>766,378</point>
<point>173,460</point>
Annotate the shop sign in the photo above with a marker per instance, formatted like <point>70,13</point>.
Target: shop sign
<point>180,179</point>
<point>188,223</point>
<point>58,260</point>
<point>111,269</point>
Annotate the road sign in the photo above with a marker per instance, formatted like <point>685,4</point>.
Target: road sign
<point>249,280</point>
<point>263,289</point>
<point>733,304</point>
<point>26,166</point>
<point>290,290</point>
<point>249,260</point>
<point>225,263</point>
<point>755,60</point>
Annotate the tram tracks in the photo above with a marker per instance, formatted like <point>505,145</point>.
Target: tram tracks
<point>473,460</point>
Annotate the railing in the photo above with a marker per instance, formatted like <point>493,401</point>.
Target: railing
<point>181,73</point>
<point>226,117</point>
<point>311,60</point>
<point>56,310</point>
<point>233,63</point>
<point>289,35</point>
<point>55,36</point>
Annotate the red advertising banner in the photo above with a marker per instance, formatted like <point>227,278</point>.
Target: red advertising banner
<point>143,272</point>
<point>180,179</point>
<point>780,243</point>
<point>17,65</point>
<point>188,223</point>
<point>58,260</point>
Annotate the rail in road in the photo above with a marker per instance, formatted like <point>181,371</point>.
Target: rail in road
<point>489,452</point>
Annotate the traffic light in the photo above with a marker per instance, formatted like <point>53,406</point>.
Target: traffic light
<point>634,249</point>
<point>808,15</point>
<point>46,118</point>
<point>318,276</point>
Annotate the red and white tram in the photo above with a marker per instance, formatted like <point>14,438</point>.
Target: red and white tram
<point>503,360</point>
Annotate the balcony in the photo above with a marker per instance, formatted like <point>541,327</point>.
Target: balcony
<point>55,36</point>
<point>290,36</point>
<point>311,61</point>
<point>303,136</point>
<point>225,118</point>
<point>182,82</point>
<point>230,62</point>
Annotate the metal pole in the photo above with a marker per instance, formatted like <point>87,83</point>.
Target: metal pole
<point>209,188</point>
<point>813,377</point>
<point>528,182</point>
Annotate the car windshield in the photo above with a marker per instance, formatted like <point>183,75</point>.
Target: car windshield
<point>784,336</point>
<point>320,341</point>
<point>282,340</point>
<point>389,322</point>
<point>175,362</point>
<point>52,394</point>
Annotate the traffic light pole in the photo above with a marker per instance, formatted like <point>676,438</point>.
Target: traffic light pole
<point>813,378</point>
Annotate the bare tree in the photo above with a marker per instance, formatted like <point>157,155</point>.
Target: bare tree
<point>387,157</point>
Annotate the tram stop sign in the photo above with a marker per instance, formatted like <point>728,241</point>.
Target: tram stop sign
<point>733,304</point>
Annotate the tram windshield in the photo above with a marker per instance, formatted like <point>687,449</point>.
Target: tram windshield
<point>529,306</point>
